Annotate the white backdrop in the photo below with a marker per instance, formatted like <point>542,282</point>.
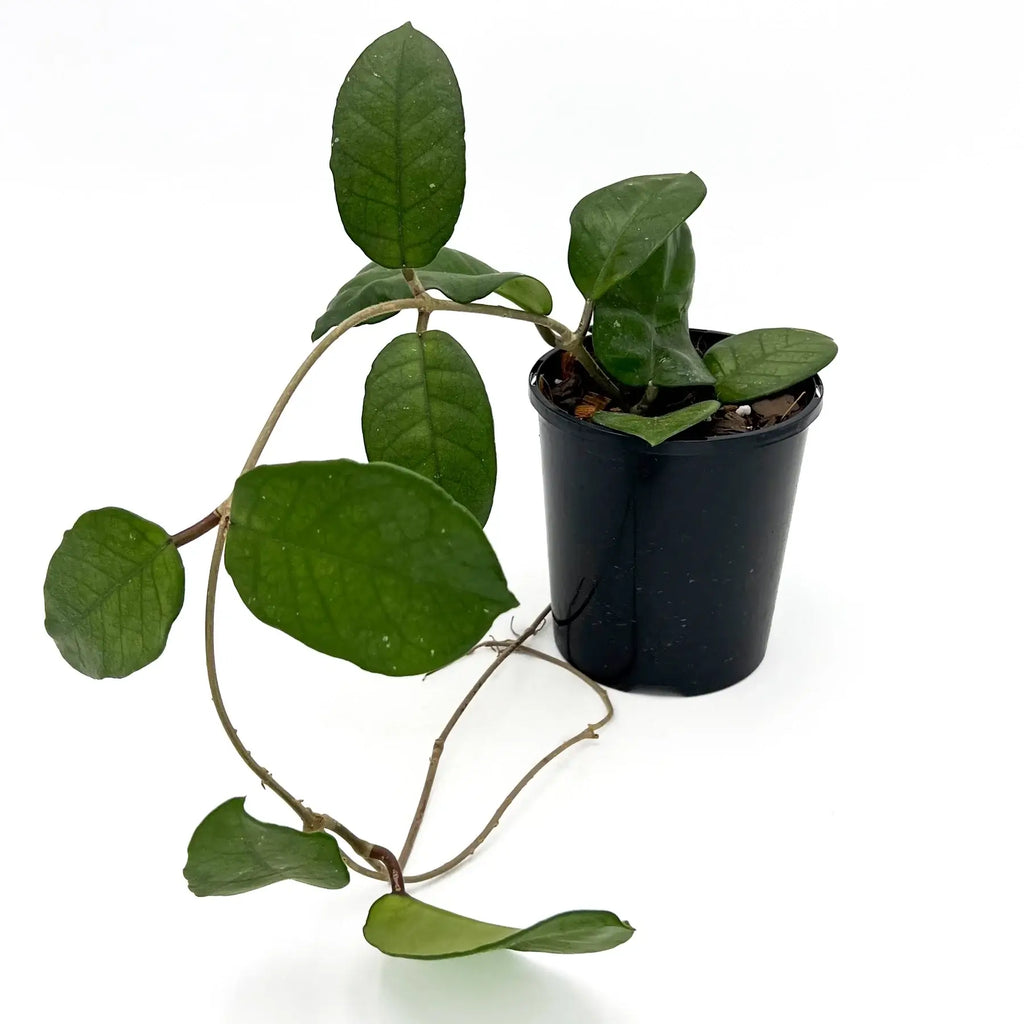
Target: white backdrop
<point>835,839</point>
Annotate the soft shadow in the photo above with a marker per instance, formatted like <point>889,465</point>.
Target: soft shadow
<point>302,988</point>
<point>324,987</point>
<point>499,988</point>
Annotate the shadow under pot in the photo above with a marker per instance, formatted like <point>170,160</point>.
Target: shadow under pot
<point>665,561</point>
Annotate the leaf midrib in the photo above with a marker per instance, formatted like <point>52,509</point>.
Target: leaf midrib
<point>398,150</point>
<point>139,569</point>
<point>512,938</point>
<point>383,570</point>
<point>780,357</point>
<point>421,353</point>
<point>634,216</point>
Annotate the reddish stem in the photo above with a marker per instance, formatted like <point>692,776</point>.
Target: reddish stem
<point>390,862</point>
<point>190,533</point>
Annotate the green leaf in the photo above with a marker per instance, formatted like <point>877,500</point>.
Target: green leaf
<point>655,429</point>
<point>425,408</point>
<point>762,362</point>
<point>400,925</point>
<point>616,229</point>
<point>398,155</point>
<point>374,564</point>
<point>456,274</point>
<point>232,852</point>
<point>113,589</point>
<point>641,329</point>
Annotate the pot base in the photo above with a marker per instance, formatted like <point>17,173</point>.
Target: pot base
<point>573,646</point>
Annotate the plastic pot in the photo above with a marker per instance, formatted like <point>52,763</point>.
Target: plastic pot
<point>665,561</point>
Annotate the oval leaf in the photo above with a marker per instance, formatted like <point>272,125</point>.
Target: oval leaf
<point>426,408</point>
<point>616,229</point>
<point>400,925</point>
<point>456,274</point>
<point>655,429</point>
<point>758,363</point>
<point>641,327</point>
<point>398,154</point>
<point>232,852</point>
<point>113,589</point>
<point>374,564</point>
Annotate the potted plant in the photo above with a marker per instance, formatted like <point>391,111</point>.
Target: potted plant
<point>385,563</point>
<point>670,457</point>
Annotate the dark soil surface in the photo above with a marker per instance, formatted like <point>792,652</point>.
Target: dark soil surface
<point>576,392</point>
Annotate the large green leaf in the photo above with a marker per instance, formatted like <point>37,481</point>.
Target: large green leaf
<point>374,564</point>
<point>231,852</point>
<point>641,328</point>
<point>655,429</point>
<point>616,229</point>
<point>758,363</point>
<point>113,589</point>
<point>400,925</point>
<point>398,155</point>
<point>426,408</point>
<point>456,274</point>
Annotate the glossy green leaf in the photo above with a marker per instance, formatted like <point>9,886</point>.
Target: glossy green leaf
<point>426,408</point>
<point>759,363</point>
<point>641,328</point>
<point>113,589</point>
<point>456,274</point>
<point>374,564</point>
<point>232,852</point>
<point>398,155</point>
<point>400,925</point>
<point>617,229</point>
<point>655,429</point>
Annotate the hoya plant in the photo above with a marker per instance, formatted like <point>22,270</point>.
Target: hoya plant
<point>385,563</point>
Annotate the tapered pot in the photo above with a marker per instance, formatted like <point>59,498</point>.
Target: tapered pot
<point>665,561</point>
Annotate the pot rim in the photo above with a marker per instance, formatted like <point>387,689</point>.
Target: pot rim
<point>675,445</point>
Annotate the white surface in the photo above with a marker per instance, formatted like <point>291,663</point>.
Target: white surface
<point>836,839</point>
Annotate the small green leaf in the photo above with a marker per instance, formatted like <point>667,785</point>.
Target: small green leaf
<point>655,429</point>
<point>456,274</point>
<point>113,590</point>
<point>762,362</point>
<point>426,408</point>
<point>398,154</point>
<point>232,852</point>
<point>374,564</point>
<point>641,330</point>
<point>616,229</point>
<point>400,925</point>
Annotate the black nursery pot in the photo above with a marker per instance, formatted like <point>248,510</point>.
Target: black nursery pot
<point>665,561</point>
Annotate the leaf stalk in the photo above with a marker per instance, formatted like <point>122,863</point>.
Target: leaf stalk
<point>196,530</point>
